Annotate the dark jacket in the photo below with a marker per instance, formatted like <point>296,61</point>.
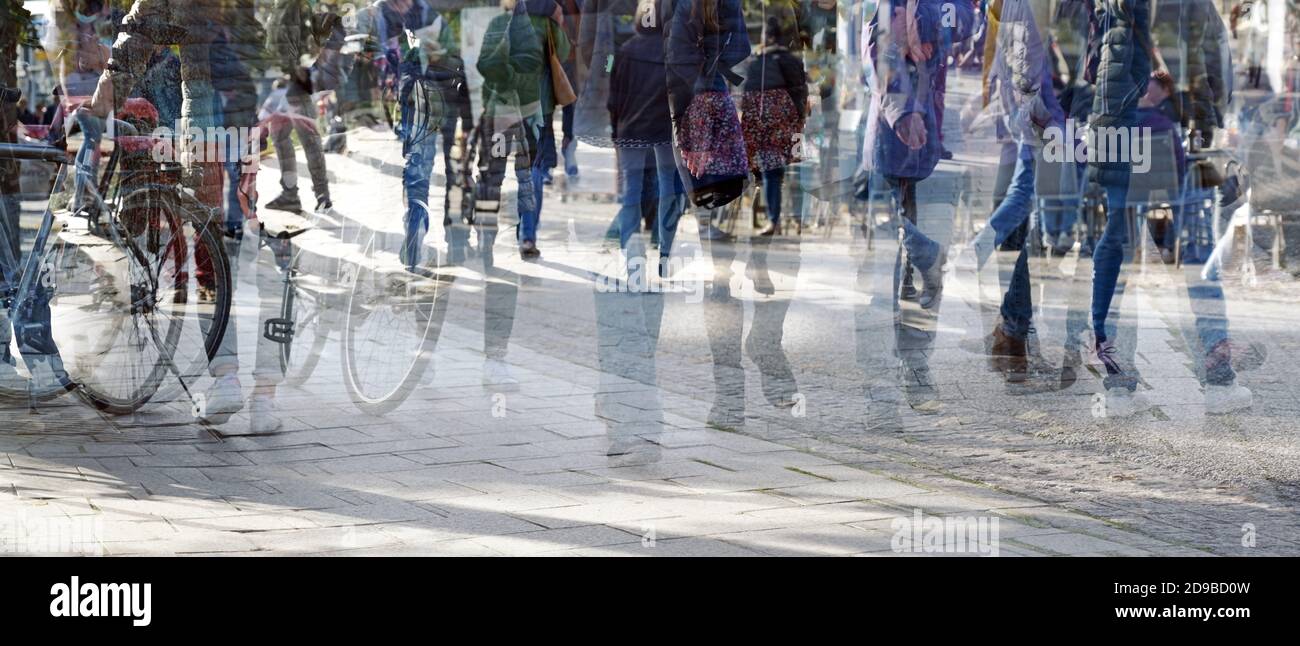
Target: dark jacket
<point>514,60</point>
<point>1122,64</point>
<point>293,32</point>
<point>776,68</point>
<point>1121,71</point>
<point>699,59</point>
<point>638,93</point>
<point>1192,40</point>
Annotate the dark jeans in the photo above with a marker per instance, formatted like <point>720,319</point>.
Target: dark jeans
<point>773,178</point>
<point>522,139</point>
<point>550,158</point>
<point>922,252</point>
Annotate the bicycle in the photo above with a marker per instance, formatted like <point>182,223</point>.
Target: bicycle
<point>138,285</point>
<point>385,316</point>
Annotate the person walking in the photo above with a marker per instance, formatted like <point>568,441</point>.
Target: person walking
<point>294,33</point>
<point>643,136</point>
<point>774,106</point>
<point>518,98</point>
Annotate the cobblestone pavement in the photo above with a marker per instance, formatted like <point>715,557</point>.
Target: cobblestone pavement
<point>789,408</point>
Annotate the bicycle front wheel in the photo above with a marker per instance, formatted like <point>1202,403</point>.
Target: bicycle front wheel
<point>164,303</point>
<point>393,319</point>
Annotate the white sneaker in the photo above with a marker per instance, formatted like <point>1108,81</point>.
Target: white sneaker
<point>1122,402</point>
<point>224,398</point>
<point>1220,400</point>
<point>264,416</point>
<point>497,374</point>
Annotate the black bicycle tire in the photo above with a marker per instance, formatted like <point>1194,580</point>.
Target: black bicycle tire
<point>216,253</point>
<point>297,377</point>
<point>378,406</point>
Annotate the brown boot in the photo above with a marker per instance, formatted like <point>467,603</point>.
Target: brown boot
<point>1008,356</point>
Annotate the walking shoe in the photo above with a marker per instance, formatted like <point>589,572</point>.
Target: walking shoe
<point>1008,356</point>
<point>286,202</point>
<point>1069,373</point>
<point>547,180</point>
<point>497,374</point>
<point>1122,402</point>
<point>633,450</point>
<point>1224,399</point>
<point>571,158</point>
<point>324,204</point>
<point>932,279</point>
<point>1106,354</point>
<point>223,399</point>
<point>263,414</point>
<point>1064,244</point>
<point>528,250</point>
<point>767,231</point>
<point>263,419</point>
<point>907,289</point>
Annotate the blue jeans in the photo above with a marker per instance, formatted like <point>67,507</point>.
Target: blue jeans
<point>1108,256</point>
<point>416,177</point>
<point>922,252</point>
<point>522,138</point>
<point>773,178</point>
<point>1014,209</point>
<point>87,162</point>
<point>632,164</point>
<point>1017,204</point>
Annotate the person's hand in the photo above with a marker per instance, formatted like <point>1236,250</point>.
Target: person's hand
<point>916,50</point>
<point>911,129</point>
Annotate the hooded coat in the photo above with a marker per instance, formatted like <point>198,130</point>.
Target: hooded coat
<point>1122,68</point>
<point>903,87</point>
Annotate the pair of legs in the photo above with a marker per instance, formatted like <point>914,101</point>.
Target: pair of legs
<point>633,165</point>
<point>1204,292</point>
<point>923,253</point>
<point>1012,212</point>
<point>421,150</point>
<point>773,179</point>
<point>519,138</point>
<point>569,145</point>
<point>301,120</point>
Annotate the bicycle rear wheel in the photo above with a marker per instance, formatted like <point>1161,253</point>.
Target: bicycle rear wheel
<point>307,303</point>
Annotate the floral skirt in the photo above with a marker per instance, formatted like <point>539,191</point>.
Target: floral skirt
<point>773,129</point>
<point>710,137</point>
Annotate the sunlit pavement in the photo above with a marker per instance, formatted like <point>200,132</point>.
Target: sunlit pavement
<point>779,422</point>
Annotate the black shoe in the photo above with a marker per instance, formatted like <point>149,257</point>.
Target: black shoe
<point>932,278</point>
<point>324,204</point>
<point>528,250</point>
<point>907,290</point>
<point>286,202</point>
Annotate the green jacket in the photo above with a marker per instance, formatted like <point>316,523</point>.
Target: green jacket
<point>515,64</point>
